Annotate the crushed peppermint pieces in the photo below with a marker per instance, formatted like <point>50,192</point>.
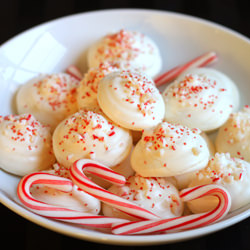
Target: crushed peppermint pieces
<point>123,46</point>
<point>140,91</point>
<point>195,90</point>
<point>222,168</point>
<point>89,85</point>
<point>149,192</point>
<point>24,129</point>
<point>87,128</point>
<point>58,91</point>
<point>168,136</point>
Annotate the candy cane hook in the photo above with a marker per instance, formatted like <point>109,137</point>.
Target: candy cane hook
<point>79,178</point>
<point>201,61</point>
<point>56,212</point>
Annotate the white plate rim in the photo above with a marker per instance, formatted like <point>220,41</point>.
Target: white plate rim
<point>139,10</point>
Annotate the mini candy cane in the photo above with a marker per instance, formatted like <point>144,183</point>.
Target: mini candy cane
<point>78,177</point>
<point>184,222</point>
<point>55,212</point>
<point>74,72</point>
<point>201,61</point>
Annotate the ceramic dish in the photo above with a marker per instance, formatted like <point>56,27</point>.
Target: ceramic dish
<point>52,46</point>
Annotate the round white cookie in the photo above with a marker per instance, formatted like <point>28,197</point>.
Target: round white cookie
<point>154,194</point>
<point>131,100</point>
<point>231,173</point>
<point>234,135</point>
<point>87,134</point>
<point>183,180</point>
<point>49,98</point>
<point>25,145</point>
<point>201,98</point>
<point>169,150</point>
<point>130,49</point>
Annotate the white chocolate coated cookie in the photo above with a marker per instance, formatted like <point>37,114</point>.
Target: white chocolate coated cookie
<point>183,180</point>
<point>231,173</point>
<point>169,150</point>
<point>234,135</point>
<point>201,98</point>
<point>90,135</point>
<point>50,98</point>
<point>154,194</point>
<point>25,145</point>
<point>131,100</point>
<point>87,90</point>
<point>129,48</point>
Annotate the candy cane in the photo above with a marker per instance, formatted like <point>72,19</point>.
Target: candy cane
<point>79,178</point>
<point>74,72</point>
<point>201,61</point>
<point>184,222</point>
<point>55,212</point>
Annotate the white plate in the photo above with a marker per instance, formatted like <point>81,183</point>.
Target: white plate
<point>52,46</point>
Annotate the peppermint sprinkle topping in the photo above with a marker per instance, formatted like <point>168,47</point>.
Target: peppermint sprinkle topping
<point>195,90</point>
<point>167,136</point>
<point>24,129</point>
<point>58,90</point>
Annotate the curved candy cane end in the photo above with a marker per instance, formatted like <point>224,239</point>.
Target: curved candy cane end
<point>200,61</point>
<point>74,72</point>
<point>99,170</point>
<point>184,222</point>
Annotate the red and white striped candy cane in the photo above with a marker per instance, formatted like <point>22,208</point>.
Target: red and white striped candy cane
<point>56,212</point>
<point>184,222</point>
<point>201,61</point>
<point>74,72</point>
<point>79,178</point>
